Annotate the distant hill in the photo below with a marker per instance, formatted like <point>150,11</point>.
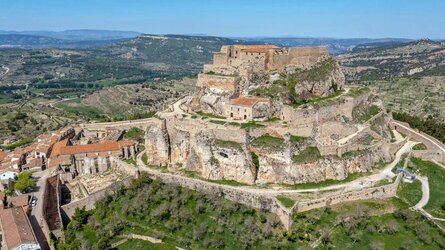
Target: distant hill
<point>417,58</point>
<point>79,34</point>
<point>335,45</point>
<point>35,42</point>
<point>142,58</point>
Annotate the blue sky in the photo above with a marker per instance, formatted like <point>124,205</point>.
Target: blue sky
<point>316,18</point>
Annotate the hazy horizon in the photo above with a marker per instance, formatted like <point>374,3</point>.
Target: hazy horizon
<point>316,18</point>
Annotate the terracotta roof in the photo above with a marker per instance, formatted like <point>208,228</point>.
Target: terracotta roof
<point>247,101</point>
<point>18,201</point>
<point>3,155</point>
<point>104,146</point>
<point>256,48</point>
<point>16,227</point>
<point>34,162</point>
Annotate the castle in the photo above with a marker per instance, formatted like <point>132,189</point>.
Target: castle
<point>230,130</point>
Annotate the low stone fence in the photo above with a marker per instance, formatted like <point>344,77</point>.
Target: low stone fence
<point>436,149</point>
<point>89,201</point>
<point>431,155</point>
<point>252,199</point>
<point>381,192</point>
<point>103,126</point>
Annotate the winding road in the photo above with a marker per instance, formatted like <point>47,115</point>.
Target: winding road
<point>6,71</point>
<point>362,182</point>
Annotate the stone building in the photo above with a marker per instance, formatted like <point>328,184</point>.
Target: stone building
<point>248,108</point>
<point>89,158</point>
<point>17,232</point>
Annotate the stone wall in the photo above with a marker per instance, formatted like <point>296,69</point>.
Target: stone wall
<point>251,199</point>
<point>221,82</point>
<point>89,201</point>
<point>281,58</point>
<point>122,125</point>
<point>380,192</point>
<point>436,149</point>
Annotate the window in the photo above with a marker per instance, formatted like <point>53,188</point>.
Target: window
<point>245,117</point>
<point>231,114</point>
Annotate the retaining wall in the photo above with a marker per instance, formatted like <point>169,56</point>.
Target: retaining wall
<point>380,192</point>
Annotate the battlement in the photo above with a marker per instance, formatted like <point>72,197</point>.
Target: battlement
<point>257,58</point>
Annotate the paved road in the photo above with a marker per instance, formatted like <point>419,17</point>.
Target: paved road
<point>35,217</point>
<point>425,193</point>
<point>6,71</point>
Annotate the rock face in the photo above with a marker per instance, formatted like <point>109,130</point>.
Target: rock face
<point>216,162</point>
<point>333,79</point>
<point>157,144</point>
<point>273,168</point>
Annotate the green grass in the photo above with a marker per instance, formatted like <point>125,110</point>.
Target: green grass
<point>420,146</point>
<point>355,92</point>
<point>218,122</point>
<point>251,125</point>
<point>135,134</point>
<point>285,201</point>
<point>131,161</point>
<point>307,155</point>
<point>369,113</point>
<point>229,144</point>
<point>297,139</point>
<point>411,193</point>
<point>269,142</point>
<point>80,109</point>
<point>133,244</point>
<point>19,143</point>
<point>320,100</point>
<point>144,158</point>
<point>209,115</point>
<point>255,160</point>
<point>228,182</point>
<point>436,180</point>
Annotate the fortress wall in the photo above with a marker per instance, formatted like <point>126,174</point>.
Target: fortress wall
<point>220,58</point>
<point>431,155</point>
<point>381,192</point>
<point>434,152</point>
<point>227,83</point>
<point>103,126</point>
<point>220,69</point>
<point>89,201</point>
<point>280,59</point>
<point>251,199</point>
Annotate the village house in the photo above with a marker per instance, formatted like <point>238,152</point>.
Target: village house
<point>89,158</point>
<point>16,230</point>
<point>248,108</point>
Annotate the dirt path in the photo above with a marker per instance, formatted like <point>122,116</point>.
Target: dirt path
<point>359,183</point>
<point>425,193</point>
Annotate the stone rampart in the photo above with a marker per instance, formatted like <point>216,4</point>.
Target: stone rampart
<point>436,149</point>
<point>89,201</point>
<point>122,125</point>
<point>281,58</point>
<point>380,192</point>
<point>252,199</point>
<point>226,83</point>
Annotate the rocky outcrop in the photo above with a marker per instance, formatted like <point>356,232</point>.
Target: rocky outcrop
<point>216,162</point>
<point>157,143</point>
<point>275,169</point>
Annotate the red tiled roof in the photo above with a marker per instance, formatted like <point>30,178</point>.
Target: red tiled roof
<point>16,227</point>
<point>3,155</point>
<point>18,201</point>
<point>59,149</point>
<point>247,101</point>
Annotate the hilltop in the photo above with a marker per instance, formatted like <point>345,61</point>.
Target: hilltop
<point>409,77</point>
